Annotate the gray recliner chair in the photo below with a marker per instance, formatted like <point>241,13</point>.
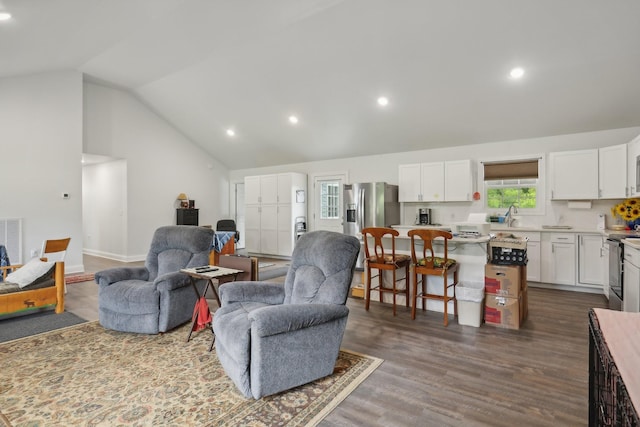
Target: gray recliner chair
<point>271,337</point>
<point>157,297</point>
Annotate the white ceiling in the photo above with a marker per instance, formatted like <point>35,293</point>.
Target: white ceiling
<point>207,65</point>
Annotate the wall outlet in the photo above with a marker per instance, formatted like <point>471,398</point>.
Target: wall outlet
<point>34,253</point>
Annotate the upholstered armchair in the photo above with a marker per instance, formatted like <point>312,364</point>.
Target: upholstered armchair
<point>157,297</point>
<point>272,337</point>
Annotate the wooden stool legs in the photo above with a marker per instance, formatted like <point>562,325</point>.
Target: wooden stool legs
<point>445,298</point>
<point>382,289</point>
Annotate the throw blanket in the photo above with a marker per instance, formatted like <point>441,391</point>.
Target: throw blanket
<point>4,260</point>
<point>220,238</point>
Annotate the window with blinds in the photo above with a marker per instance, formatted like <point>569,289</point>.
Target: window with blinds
<point>512,182</point>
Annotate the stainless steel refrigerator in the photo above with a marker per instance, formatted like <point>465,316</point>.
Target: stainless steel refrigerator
<point>369,204</point>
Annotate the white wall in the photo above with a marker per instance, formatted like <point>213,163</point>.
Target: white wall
<point>385,168</point>
<point>160,164</point>
<point>41,146</point>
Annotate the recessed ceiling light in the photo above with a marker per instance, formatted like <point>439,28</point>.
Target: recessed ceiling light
<point>231,132</point>
<point>293,120</point>
<point>516,73</point>
<point>383,101</point>
<point>4,16</point>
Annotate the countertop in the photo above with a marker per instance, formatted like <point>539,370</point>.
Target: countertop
<point>634,243</point>
<point>503,228</point>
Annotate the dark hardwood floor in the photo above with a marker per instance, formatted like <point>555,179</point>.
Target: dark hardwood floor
<point>457,375</point>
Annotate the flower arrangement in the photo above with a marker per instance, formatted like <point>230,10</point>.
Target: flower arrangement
<point>629,210</point>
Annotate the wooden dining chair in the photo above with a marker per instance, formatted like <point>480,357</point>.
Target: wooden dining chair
<point>377,257</point>
<point>426,263</point>
<point>57,247</point>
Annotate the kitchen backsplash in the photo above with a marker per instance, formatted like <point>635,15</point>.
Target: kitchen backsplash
<point>556,213</point>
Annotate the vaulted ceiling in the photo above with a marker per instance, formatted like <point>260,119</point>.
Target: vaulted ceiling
<point>207,66</point>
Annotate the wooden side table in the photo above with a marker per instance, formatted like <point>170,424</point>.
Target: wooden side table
<point>208,273</point>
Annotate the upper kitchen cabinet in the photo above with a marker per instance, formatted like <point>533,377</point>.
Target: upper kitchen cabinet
<point>612,172</point>
<point>421,182</point>
<point>410,183</point>
<point>573,177</point>
<point>436,181</point>
<point>459,181</point>
<point>633,167</point>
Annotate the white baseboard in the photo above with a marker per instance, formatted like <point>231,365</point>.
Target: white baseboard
<point>115,257</point>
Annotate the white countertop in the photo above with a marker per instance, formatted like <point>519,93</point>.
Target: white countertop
<point>457,239</point>
<point>634,243</point>
<point>495,227</point>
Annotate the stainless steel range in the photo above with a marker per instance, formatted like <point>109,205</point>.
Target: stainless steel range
<point>616,269</point>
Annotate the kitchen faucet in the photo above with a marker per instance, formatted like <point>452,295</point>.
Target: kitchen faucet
<point>508,218</point>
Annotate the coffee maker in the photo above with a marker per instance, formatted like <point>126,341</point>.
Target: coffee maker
<point>424,216</point>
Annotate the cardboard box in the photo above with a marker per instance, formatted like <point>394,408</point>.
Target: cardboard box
<point>357,291</point>
<point>505,280</point>
<point>525,304</point>
<point>505,312</point>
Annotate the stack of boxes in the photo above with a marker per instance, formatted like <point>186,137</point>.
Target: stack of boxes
<point>505,283</point>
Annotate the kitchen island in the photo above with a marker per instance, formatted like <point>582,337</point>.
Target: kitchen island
<point>470,252</point>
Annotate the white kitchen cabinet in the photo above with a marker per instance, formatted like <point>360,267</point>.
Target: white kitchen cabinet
<point>558,255</point>
<point>269,189</point>
<point>605,269</point>
<point>458,181</point>
<point>436,181</point>
<point>252,190</point>
<point>433,182</point>
<point>410,183</point>
<point>271,210</point>
<point>631,300</point>
<point>533,265</point>
<point>533,254</point>
<point>252,227</point>
<point>421,182</point>
<point>590,259</point>
<point>633,169</point>
<point>285,229</point>
<point>612,172</point>
<point>573,175</point>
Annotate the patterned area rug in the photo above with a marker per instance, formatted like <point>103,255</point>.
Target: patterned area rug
<point>76,278</point>
<point>86,375</point>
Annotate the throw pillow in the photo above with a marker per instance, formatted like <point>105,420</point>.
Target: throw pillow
<point>30,272</point>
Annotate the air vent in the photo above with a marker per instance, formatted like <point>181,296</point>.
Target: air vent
<point>11,238</point>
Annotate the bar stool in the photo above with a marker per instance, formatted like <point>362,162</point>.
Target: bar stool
<point>430,265</point>
<point>389,261</point>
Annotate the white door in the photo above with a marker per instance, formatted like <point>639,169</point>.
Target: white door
<point>327,202</point>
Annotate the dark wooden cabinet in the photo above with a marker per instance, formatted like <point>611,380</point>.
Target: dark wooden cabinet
<point>187,216</point>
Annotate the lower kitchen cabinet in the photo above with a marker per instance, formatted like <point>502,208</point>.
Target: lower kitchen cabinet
<point>533,264</point>
<point>631,280</point>
<point>590,256</point>
<point>533,254</point>
<point>605,269</point>
<point>558,254</point>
